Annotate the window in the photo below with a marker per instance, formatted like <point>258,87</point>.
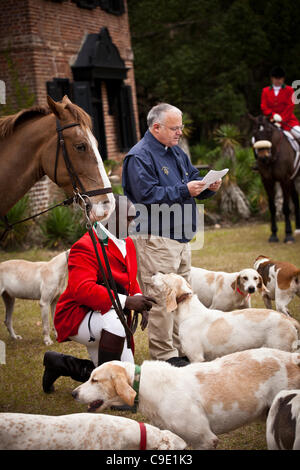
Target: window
<point>115,7</point>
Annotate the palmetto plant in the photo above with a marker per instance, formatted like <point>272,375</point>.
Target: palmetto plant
<point>62,226</point>
<point>228,137</point>
<point>17,235</point>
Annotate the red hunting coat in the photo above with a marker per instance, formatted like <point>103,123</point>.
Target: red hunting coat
<point>83,293</point>
<point>281,104</point>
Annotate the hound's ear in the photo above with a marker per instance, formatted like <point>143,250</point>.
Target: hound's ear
<point>122,386</point>
<point>261,287</point>
<point>171,300</point>
<point>236,283</point>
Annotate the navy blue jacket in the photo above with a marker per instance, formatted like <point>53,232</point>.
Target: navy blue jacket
<point>157,177</point>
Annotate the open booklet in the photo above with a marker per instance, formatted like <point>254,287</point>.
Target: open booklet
<point>212,176</point>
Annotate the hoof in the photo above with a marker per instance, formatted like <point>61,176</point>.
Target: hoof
<point>297,231</point>
<point>273,239</point>
<point>289,239</point>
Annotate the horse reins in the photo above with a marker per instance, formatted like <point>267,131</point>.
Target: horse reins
<point>109,281</point>
<point>82,195</point>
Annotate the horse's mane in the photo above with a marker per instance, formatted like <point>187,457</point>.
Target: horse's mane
<point>79,114</point>
<point>9,123</point>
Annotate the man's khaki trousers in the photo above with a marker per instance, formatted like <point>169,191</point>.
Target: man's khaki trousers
<point>158,254</point>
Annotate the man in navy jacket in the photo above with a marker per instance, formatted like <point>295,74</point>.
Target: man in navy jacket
<point>158,175</point>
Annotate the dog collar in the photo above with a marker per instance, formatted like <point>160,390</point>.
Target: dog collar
<point>136,382</point>
<point>242,293</point>
<point>143,441</point>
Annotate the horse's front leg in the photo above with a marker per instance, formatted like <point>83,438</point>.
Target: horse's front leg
<point>270,189</point>
<point>286,191</point>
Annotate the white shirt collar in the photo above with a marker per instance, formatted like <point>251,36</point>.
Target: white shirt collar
<point>121,244</point>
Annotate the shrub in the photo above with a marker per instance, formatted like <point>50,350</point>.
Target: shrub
<point>15,238</point>
<point>62,226</point>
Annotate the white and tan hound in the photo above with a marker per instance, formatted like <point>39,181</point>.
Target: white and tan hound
<point>82,431</point>
<point>38,280</point>
<point>282,280</point>
<point>226,291</point>
<point>200,401</point>
<point>206,334</point>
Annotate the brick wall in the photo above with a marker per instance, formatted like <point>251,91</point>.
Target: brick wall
<point>43,39</point>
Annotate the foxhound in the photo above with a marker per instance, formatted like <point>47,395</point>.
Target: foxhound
<point>283,422</point>
<point>39,280</point>
<point>200,401</point>
<point>206,334</point>
<point>226,291</point>
<point>282,280</point>
<point>82,431</point>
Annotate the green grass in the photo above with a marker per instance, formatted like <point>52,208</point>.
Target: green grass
<point>229,249</point>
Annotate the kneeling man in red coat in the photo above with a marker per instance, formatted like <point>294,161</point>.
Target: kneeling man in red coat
<point>84,311</point>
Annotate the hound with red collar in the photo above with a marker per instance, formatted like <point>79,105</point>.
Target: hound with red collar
<point>82,431</point>
<point>282,280</point>
<point>225,291</point>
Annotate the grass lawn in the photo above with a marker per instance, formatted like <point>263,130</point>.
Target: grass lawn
<point>230,249</point>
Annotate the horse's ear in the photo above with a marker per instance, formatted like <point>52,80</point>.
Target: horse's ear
<point>56,108</point>
<point>66,100</point>
<point>253,118</point>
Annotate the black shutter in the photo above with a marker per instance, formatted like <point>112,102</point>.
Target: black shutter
<point>126,119</point>
<point>58,88</point>
<point>82,96</point>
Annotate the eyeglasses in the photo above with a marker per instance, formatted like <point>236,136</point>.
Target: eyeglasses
<point>174,129</point>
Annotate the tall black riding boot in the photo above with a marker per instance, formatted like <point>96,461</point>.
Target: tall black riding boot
<point>110,347</point>
<point>57,364</point>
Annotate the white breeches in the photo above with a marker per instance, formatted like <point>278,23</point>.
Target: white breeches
<point>110,322</point>
<point>295,131</point>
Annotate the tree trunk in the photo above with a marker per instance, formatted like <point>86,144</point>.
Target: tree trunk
<point>233,201</point>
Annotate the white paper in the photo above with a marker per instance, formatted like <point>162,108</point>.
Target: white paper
<point>213,176</point>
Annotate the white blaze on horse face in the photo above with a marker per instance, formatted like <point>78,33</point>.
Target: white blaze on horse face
<point>102,210</point>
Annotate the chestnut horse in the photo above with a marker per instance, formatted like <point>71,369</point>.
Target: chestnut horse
<point>56,141</point>
<point>275,162</point>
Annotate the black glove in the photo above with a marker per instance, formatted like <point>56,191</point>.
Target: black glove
<point>139,303</point>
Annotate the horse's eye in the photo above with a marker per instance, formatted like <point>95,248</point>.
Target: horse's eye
<point>80,147</point>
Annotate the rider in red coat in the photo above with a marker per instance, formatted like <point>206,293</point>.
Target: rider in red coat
<point>277,103</point>
<point>84,311</point>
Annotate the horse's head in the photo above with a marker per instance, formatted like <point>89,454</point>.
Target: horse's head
<point>82,151</point>
<point>262,137</point>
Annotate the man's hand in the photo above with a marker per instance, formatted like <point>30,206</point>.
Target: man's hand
<point>139,303</point>
<point>216,185</point>
<point>195,187</point>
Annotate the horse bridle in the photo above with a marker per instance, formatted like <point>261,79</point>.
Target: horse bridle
<point>76,183</point>
<point>80,194</point>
